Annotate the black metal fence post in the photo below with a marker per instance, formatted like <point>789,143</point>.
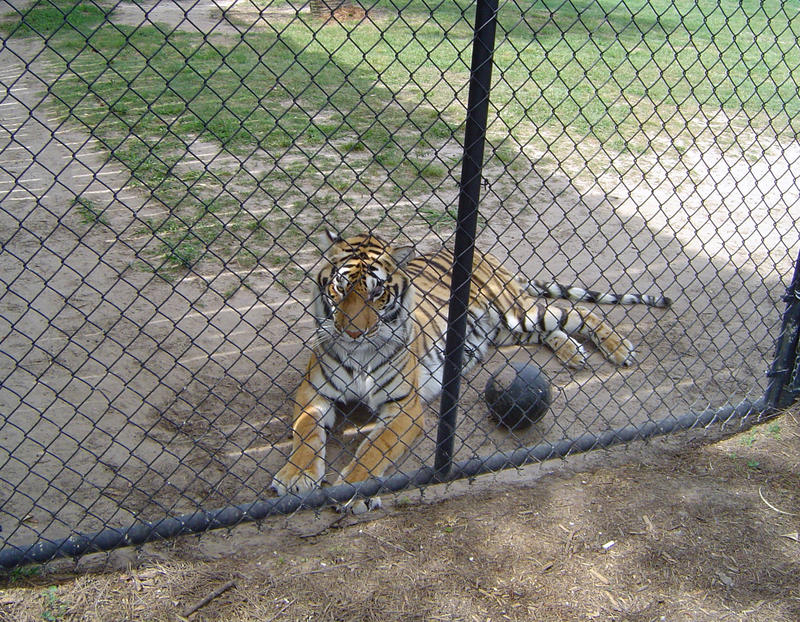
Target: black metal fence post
<point>779,394</point>
<point>467,219</point>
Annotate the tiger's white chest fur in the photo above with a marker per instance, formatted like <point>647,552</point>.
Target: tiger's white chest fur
<point>376,385</point>
<point>368,374</point>
<point>365,372</point>
<point>354,379</point>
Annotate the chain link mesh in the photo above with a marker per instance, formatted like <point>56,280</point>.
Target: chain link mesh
<point>168,169</point>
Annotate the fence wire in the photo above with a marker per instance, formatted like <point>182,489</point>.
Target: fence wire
<point>169,170</point>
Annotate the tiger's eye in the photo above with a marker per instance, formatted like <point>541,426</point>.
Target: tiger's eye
<point>377,291</point>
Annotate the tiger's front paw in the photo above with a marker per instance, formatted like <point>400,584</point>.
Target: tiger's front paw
<point>291,479</point>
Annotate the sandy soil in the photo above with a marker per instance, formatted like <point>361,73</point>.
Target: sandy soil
<point>129,397</point>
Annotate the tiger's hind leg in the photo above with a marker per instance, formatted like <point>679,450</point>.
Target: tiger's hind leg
<point>614,346</point>
<point>556,328</point>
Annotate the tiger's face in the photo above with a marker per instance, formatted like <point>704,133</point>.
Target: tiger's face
<point>364,295</point>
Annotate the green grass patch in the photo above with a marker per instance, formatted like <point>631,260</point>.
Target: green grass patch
<point>53,607</point>
<point>89,212</point>
<point>74,21</point>
<point>618,71</point>
<point>438,217</point>
<point>23,573</point>
<point>365,107</point>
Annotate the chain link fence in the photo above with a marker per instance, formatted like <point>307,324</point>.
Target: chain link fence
<point>168,171</point>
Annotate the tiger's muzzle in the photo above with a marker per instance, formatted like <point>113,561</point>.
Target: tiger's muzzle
<point>355,315</point>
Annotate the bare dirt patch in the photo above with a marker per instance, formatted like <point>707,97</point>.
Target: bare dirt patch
<point>705,532</point>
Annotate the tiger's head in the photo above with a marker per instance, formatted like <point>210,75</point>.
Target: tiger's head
<point>364,296</point>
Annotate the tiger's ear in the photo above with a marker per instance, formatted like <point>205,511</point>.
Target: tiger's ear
<point>328,239</point>
<point>402,255</point>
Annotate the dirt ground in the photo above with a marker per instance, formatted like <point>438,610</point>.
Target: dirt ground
<point>708,531</point>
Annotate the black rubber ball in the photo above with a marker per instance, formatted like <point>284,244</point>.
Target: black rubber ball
<point>521,403</point>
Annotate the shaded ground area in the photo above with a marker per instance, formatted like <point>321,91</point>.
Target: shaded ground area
<point>706,532</point>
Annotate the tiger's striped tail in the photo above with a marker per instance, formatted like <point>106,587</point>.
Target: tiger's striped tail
<point>578,294</point>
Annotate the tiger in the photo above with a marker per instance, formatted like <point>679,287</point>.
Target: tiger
<point>381,320</point>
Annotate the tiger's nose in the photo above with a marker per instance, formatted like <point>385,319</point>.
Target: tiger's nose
<point>355,334</point>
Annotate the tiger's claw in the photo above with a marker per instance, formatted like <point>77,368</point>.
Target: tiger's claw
<point>290,479</point>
